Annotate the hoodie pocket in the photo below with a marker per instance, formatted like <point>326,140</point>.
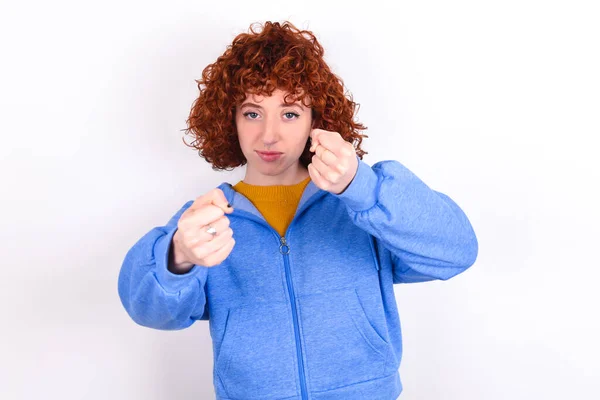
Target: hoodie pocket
<point>342,347</point>
<point>256,359</point>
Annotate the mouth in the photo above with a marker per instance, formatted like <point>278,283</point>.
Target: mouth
<point>269,156</point>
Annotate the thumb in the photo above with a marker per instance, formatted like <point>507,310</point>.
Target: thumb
<point>217,198</point>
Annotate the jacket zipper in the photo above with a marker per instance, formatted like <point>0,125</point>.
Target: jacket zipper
<point>286,262</point>
<point>283,242</point>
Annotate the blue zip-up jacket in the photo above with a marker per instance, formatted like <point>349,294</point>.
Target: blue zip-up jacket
<point>311,315</point>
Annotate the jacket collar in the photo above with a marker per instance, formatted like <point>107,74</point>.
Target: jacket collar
<point>241,203</point>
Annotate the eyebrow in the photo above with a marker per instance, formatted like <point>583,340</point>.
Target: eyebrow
<point>281,105</point>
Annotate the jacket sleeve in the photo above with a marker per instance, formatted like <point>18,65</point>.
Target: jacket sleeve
<point>427,233</point>
<point>152,295</point>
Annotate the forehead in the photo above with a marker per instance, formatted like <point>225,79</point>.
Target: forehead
<point>278,96</point>
<point>277,93</point>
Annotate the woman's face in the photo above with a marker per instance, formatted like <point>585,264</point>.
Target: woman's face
<point>266,123</point>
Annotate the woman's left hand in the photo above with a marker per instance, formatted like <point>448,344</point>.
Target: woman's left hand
<point>334,163</point>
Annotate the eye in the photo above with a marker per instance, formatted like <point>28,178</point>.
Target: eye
<point>250,112</point>
<point>291,113</point>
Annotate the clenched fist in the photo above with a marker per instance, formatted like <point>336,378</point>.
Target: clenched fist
<point>191,244</point>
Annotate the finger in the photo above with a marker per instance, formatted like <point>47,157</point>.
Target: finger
<point>221,225</point>
<point>326,172</point>
<point>204,248</point>
<point>215,197</point>
<point>208,249</point>
<point>334,142</point>
<point>314,138</point>
<point>221,254</point>
<point>326,156</point>
<point>316,177</point>
<point>201,216</point>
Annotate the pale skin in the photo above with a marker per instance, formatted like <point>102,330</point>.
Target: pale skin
<point>264,123</point>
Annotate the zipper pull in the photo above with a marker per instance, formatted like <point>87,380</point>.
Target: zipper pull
<point>284,243</point>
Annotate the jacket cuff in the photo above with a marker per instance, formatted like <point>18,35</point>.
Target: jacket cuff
<point>169,281</point>
<point>361,194</point>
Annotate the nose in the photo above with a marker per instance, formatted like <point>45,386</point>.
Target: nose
<point>271,131</point>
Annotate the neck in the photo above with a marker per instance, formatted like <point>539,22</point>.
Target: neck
<point>267,180</point>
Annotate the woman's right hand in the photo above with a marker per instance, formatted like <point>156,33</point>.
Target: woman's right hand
<point>192,245</point>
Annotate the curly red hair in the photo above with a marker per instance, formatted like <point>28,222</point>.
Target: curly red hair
<point>278,57</point>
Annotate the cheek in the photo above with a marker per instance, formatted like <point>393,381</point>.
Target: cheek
<point>301,131</point>
<point>301,139</point>
<point>247,132</point>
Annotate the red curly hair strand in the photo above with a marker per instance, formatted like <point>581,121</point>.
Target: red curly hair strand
<point>277,57</point>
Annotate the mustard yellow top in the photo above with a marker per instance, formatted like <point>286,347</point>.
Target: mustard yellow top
<point>277,203</point>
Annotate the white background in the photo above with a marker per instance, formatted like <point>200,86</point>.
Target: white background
<point>495,103</point>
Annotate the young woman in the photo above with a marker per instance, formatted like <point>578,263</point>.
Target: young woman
<point>301,303</point>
